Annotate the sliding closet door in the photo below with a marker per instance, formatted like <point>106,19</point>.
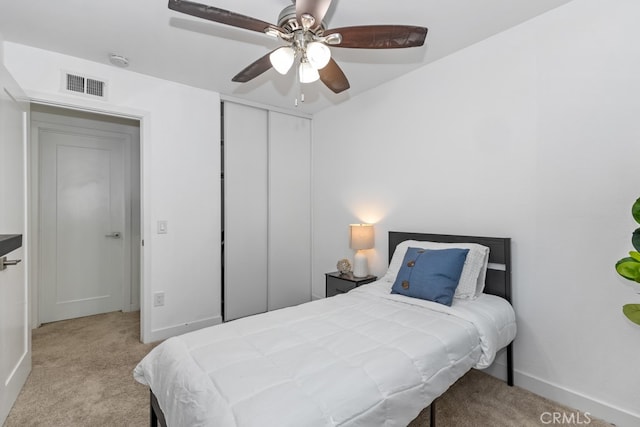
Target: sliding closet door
<point>289,210</point>
<point>245,211</point>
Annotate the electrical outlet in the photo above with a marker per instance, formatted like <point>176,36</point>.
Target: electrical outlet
<point>158,299</point>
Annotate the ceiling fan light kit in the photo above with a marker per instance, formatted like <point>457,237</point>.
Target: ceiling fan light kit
<point>308,73</point>
<point>312,55</point>
<point>318,54</point>
<point>301,26</point>
<point>282,59</point>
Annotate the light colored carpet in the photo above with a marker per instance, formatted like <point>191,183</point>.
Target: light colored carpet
<point>82,376</point>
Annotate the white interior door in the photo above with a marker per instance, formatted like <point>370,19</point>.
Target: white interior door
<point>82,230</point>
<point>15,334</point>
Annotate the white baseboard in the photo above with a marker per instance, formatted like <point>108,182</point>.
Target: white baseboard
<point>596,408</point>
<point>130,308</point>
<point>315,297</point>
<point>183,328</point>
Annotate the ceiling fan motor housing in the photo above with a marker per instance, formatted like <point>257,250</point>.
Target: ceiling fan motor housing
<point>287,20</point>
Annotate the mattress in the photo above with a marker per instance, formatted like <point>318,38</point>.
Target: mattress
<point>359,359</point>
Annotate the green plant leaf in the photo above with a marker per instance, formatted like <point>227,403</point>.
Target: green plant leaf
<point>635,210</point>
<point>635,239</point>
<point>635,255</point>
<point>629,268</point>
<point>632,311</point>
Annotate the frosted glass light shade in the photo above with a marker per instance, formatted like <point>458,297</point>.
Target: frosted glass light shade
<point>318,54</point>
<point>308,73</point>
<point>361,236</point>
<point>282,59</point>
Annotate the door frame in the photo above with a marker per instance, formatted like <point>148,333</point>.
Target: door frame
<point>52,120</point>
<point>145,189</point>
<point>17,377</point>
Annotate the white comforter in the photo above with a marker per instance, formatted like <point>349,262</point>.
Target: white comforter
<point>366,358</point>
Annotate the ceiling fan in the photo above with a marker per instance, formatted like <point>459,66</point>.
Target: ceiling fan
<point>300,25</point>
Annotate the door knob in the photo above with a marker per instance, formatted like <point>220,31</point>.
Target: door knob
<point>4,262</point>
<point>114,235</point>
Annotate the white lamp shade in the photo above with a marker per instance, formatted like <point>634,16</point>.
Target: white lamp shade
<point>361,236</point>
<point>318,54</point>
<point>308,74</point>
<point>282,59</point>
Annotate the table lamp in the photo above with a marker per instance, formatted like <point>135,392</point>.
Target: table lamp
<point>361,238</point>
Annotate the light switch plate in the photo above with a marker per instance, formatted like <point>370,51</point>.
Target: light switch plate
<point>162,227</point>
<point>158,299</point>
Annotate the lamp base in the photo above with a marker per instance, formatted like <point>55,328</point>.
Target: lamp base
<point>360,265</point>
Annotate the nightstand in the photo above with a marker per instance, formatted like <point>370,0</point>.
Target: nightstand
<point>342,283</point>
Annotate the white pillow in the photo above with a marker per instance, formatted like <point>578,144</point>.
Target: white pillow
<point>474,272</point>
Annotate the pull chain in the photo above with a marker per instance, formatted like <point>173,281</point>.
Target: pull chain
<point>300,89</point>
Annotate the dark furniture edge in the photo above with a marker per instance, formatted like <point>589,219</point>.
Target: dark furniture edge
<point>350,277</point>
<point>157,416</point>
<point>9,243</point>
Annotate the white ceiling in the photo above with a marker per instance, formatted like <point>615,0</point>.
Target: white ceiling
<point>174,46</point>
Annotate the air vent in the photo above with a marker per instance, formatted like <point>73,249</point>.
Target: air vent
<point>75,83</point>
<point>84,85</point>
<point>95,87</point>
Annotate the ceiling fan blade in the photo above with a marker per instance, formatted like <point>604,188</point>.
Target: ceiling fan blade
<point>220,15</point>
<point>253,70</point>
<point>316,8</point>
<point>333,77</point>
<point>380,36</point>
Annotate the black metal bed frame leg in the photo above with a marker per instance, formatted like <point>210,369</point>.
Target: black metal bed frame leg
<point>154,417</point>
<point>510,364</point>
<point>157,416</point>
<point>432,407</point>
<point>432,413</point>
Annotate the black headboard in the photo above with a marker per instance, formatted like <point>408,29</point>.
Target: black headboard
<point>498,280</point>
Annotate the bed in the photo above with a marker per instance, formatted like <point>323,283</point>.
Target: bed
<point>365,358</point>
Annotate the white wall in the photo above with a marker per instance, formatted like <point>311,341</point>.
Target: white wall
<point>532,134</point>
<point>180,139</point>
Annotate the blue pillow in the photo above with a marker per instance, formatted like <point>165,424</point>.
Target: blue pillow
<point>431,275</point>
